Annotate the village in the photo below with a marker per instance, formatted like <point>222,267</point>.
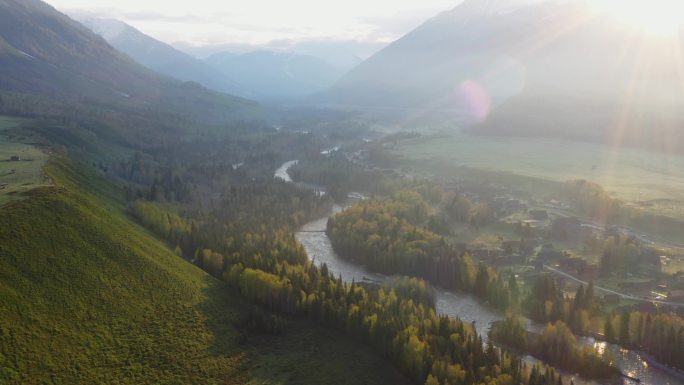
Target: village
<point>548,239</point>
<point>535,235</point>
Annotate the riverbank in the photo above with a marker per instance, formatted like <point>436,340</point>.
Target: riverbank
<point>469,309</point>
<point>557,346</point>
<point>655,363</point>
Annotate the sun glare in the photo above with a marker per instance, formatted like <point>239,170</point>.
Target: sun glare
<point>658,17</point>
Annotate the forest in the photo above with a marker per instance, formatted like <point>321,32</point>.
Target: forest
<point>247,239</point>
<point>391,235</point>
<point>557,345</point>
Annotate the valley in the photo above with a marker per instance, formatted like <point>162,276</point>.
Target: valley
<point>486,193</point>
<point>639,177</point>
<point>314,239</point>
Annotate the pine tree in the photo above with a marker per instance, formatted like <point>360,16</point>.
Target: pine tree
<point>513,289</point>
<point>608,330</point>
<point>589,296</point>
<point>579,299</point>
<point>624,328</point>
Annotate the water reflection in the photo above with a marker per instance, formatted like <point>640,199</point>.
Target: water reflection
<point>468,309</point>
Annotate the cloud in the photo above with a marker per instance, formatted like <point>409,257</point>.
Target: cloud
<point>263,21</point>
<point>161,17</point>
<point>394,26</point>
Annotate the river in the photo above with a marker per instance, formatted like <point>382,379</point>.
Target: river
<point>466,307</point>
<point>281,173</point>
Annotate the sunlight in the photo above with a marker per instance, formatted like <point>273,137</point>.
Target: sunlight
<point>657,17</point>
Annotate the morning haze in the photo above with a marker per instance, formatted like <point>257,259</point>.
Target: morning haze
<point>306,192</point>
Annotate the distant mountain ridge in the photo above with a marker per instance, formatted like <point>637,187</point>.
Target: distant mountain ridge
<point>341,54</point>
<point>425,67</point>
<point>159,56</point>
<point>260,74</point>
<point>556,67</point>
<point>53,67</point>
<point>44,51</point>
<point>273,75</point>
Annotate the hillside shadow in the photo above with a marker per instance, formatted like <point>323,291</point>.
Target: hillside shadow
<point>224,309</point>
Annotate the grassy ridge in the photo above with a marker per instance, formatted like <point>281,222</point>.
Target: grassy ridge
<point>88,297</point>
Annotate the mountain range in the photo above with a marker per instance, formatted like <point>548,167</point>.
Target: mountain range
<point>259,74</point>
<point>44,52</point>
<point>341,54</point>
<point>528,67</point>
<point>269,75</point>
<point>159,56</point>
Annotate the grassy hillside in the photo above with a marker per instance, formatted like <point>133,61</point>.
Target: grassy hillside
<point>88,297</point>
<point>55,68</point>
<point>26,173</point>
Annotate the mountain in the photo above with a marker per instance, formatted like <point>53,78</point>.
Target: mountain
<point>532,67</point>
<point>53,66</point>
<point>341,54</point>
<point>426,66</point>
<point>159,56</point>
<point>274,75</point>
<point>89,296</point>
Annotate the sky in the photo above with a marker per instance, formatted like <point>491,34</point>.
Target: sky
<point>258,22</point>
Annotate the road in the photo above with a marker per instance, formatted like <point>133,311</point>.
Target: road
<point>639,235</point>
<point>603,289</point>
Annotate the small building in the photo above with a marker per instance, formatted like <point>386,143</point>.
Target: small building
<point>15,158</point>
<point>511,247</point>
<point>539,215</point>
<point>572,264</point>
<point>548,253</point>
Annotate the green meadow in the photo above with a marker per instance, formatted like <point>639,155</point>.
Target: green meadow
<point>632,175</point>
<point>18,177</point>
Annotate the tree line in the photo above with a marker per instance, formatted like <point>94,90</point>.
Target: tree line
<point>557,345</point>
<point>248,240</point>
<point>388,236</point>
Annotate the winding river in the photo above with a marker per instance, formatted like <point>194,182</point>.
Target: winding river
<point>314,239</point>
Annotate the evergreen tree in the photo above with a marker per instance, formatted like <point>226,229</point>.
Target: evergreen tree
<point>608,331</point>
<point>624,328</point>
<point>579,299</point>
<point>513,289</point>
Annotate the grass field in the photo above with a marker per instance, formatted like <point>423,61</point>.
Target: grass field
<point>632,175</point>
<point>23,175</point>
<point>89,297</point>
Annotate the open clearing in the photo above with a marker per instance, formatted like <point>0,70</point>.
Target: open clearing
<point>19,176</point>
<point>633,175</point>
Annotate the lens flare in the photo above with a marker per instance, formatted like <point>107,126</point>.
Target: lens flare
<point>475,100</point>
<point>656,17</point>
